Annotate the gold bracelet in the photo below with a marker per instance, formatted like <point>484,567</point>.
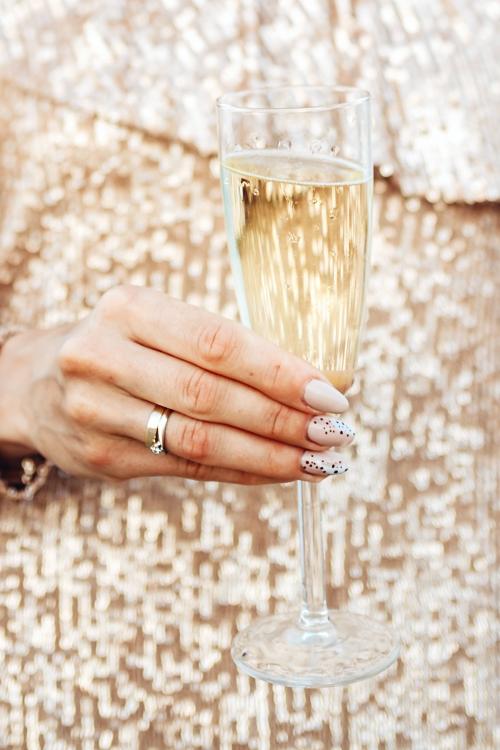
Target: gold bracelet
<point>34,469</point>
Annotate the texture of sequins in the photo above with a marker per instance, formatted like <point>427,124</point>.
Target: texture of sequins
<point>118,603</point>
<point>431,65</point>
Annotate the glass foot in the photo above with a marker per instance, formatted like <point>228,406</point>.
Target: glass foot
<point>350,648</point>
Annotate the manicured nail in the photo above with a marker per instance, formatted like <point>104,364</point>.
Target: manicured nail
<point>324,397</point>
<point>326,430</point>
<point>325,463</point>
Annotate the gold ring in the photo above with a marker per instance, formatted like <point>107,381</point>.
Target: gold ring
<point>155,430</point>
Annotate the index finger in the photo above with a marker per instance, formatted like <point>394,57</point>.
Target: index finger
<point>228,348</point>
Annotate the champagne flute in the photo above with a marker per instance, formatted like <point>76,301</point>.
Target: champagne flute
<point>296,176</point>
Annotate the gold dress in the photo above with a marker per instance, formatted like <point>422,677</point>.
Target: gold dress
<point>118,602</point>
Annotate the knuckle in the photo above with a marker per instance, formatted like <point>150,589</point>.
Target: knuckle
<point>194,440</point>
<point>218,342</point>
<point>200,392</point>
<point>193,470</point>
<point>84,355</point>
<point>274,375</point>
<point>79,407</point>
<point>115,300</point>
<point>70,358</point>
<point>99,456</point>
<point>279,420</point>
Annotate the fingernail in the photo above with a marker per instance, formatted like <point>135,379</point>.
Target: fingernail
<point>325,463</point>
<point>324,397</point>
<point>326,430</point>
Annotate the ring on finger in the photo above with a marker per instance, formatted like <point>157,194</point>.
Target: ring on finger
<point>155,430</point>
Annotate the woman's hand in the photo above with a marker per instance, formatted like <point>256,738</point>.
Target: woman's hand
<point>243,409</point>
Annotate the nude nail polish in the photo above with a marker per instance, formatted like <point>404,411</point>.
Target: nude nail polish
<point>322,396</point>
<point>323,464</point>
<point>325,430</point>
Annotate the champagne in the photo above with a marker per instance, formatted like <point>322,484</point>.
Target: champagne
<point>299,230</point>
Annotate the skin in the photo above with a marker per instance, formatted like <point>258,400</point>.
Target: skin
<point>81,394</point>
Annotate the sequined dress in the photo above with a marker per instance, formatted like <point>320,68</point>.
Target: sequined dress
<point>118,603</point>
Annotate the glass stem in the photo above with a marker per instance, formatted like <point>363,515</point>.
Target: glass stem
<point>314,611</point>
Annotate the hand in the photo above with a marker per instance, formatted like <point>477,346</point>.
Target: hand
<point>243,410</point>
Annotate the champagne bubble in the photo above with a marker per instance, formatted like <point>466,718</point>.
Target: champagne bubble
<point>285,145</point>
<point>334,150</point>
<point>258,141</point>
<point>255,191</point>
<point>316,146</point>
<point>244,187</point>
<point>332,215</point>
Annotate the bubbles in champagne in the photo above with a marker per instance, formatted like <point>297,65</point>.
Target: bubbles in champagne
<point>300,247</point>
<point>243,187</point>
<point>258,141</point>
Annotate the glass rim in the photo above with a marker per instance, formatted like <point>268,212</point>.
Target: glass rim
<point>360,96</point>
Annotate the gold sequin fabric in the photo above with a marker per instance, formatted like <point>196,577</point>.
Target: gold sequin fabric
<point>432,67</point>
<point>118,603</point>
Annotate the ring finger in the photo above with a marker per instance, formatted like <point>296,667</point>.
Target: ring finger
<point>215,444</point>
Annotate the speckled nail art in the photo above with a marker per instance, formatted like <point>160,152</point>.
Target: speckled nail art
<point>326,430</point>
<point>325,463</point>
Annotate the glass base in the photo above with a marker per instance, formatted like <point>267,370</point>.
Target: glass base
<point>349,648</point>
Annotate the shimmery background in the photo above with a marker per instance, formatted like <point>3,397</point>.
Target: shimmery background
<point>118,603</point>
<point>432,66</point>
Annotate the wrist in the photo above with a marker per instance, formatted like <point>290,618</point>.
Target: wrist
<point>15,372</point>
